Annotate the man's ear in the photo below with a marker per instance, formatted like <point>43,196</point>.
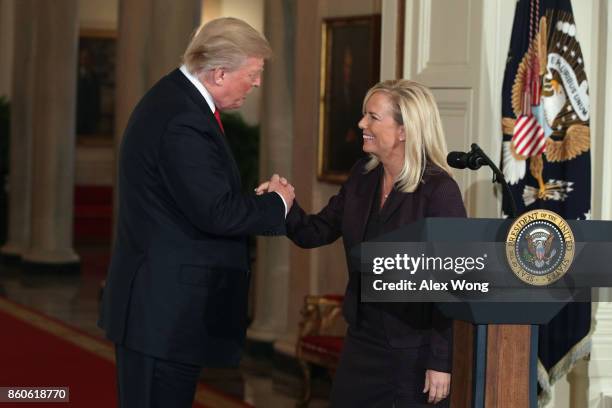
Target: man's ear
<point>218,76</point>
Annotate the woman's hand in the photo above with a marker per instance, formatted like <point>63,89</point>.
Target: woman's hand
<point>437,383</point>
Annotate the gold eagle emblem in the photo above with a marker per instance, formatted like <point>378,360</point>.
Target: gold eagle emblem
<point>567,136</point>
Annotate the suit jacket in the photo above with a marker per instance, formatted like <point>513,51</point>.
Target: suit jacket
<point>346,215</point>
<point>179,274</point>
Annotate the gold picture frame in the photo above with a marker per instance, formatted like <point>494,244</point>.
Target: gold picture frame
<point>95,112</point>
<point>350,65</point>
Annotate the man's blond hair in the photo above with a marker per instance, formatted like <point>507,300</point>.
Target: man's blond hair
<point>224,42</point>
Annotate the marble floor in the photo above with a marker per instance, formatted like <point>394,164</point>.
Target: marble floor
<point>73,299</point>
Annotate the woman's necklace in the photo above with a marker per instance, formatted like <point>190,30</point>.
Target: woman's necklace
<point>385,196</point>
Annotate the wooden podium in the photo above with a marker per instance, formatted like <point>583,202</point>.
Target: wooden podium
<point>495,343</point>
<point>495,353</point>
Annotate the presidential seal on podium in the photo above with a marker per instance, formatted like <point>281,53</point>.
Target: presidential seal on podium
<point>540,247</point>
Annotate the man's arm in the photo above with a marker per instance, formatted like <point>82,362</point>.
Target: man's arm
<point>193,168</point>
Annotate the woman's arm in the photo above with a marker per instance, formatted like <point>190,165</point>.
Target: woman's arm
<point>314,230</point>
<point>323,228</point>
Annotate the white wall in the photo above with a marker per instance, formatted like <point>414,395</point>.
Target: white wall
<point>456,49</point>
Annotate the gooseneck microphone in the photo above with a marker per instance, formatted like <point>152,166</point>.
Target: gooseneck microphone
<point>461,160</point>
<point>475,159</point>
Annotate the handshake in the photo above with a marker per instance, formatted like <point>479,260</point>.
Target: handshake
<point>279,185</point>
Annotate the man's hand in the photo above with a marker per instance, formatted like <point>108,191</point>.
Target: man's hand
<point>281,186</point>
<point>437,383</point>
<point>263,187</point>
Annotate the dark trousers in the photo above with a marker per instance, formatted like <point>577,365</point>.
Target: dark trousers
<point>388,377</point>
<point>147,382</point>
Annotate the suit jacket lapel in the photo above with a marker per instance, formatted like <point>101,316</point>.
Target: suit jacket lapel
<point>394,202</point>
<point>365,199</point>
<point>366,193</point>
<point>232,161</point>
<point>219,138</point>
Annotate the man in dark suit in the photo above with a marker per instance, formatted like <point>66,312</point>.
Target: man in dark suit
<point>175,296</point>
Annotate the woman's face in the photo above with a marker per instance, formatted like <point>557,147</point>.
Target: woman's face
<point>382,135</point>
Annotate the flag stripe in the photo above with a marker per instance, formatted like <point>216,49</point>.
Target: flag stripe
<point>526,139</point>
<point>525,134</point>
<point>525,127</point>
<point>538,135</point>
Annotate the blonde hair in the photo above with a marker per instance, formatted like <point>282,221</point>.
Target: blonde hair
<point>415,108</point>
<point>224,42</point>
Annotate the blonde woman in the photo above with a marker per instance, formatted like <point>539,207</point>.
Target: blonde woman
<point>398,353</point>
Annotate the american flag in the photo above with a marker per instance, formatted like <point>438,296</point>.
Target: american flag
<point>546,151</point>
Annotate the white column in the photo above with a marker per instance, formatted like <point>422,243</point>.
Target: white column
<point>53,133</point>
<point>305,102</point>
<point>578,379</point>
<point>272,270</point>
<point>22,95</point>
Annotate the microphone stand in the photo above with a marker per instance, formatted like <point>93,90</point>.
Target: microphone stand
<point>498,176</point>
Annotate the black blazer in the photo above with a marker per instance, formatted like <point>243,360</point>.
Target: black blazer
<point>346,215</point>
<point>179,274</point>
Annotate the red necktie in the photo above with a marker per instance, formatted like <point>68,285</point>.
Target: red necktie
<point>218,117</point>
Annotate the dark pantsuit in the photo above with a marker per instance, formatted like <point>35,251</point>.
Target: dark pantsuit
<point>382,365</point>
<point>373,374</point>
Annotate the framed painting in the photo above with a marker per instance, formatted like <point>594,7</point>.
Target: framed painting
<point>95,115</point>
<point>350,65</point>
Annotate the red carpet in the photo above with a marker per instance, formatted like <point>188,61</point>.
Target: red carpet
<point>93,213</point>
<point>95,259</point>
<point>30,356</point>
<point>38,351</point>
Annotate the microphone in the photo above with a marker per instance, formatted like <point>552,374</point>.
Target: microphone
<point>475,159</point>
<point>472,159</point>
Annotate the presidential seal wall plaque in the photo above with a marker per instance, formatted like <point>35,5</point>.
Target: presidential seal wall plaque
<point>540,247</point>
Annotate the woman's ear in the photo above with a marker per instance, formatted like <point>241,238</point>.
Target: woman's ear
<point>402,135</point>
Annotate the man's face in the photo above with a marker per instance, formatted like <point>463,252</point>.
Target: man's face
<point>238,83</point>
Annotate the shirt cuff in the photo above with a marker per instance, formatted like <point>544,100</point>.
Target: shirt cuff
<point>284,203</point>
